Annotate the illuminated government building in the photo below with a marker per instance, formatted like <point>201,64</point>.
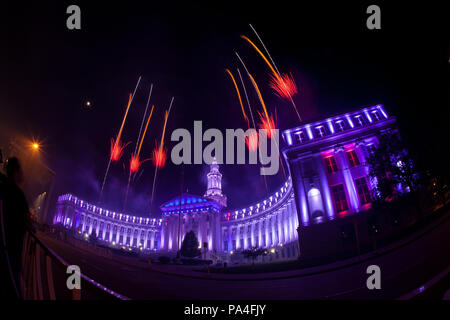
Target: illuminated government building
<point>328,182</point>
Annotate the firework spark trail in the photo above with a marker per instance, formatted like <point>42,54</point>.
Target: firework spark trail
<point>160,153</point>
<point>273,68</point>
<point>143,118</point>
<point>135,162</point>
<point>262,55</point>
<point>254,85</point>
<point>252,140</point>
<point>248,101</point>
<point>284,85</point>
<point>259,95</point>
<point>239,96</point>
<point>145,131</point>
<point>118,138</point>
<point>280,78</point>
<point>246,97</point>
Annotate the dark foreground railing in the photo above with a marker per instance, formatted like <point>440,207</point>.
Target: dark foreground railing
<point>45,274</point>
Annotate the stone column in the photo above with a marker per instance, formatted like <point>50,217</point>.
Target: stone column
<point>279,226</point>
<point>230,242</point>
<point>349,184</point>
<point>274,235</point>
<point>238,233</point>
<point>252,235</point>
<point>325,188</point>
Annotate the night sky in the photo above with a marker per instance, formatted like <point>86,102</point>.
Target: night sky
<point>49,72</point>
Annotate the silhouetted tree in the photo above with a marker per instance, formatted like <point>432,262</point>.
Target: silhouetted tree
<point>189,247</point>
<point>390,165</point>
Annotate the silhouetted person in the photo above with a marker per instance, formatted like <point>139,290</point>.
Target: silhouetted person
<point>15,216</point>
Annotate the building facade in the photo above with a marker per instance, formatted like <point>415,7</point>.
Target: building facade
<point>329,180</point>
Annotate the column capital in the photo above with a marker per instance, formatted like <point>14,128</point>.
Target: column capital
<point>338,148</point>
<point>360,142</point>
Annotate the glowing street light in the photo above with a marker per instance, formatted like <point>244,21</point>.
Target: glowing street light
<point>35,146</point>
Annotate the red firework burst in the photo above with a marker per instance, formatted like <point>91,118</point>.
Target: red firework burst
<point>159,157</point>
<point>117,149</point>
<point>135,164</point>
<point>252,141</point>
<point>284,86</point>
<point>267,123</point>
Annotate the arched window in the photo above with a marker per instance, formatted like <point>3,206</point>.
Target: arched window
<point>315,204</point>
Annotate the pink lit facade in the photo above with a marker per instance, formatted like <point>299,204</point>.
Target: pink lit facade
<point>328,163</point>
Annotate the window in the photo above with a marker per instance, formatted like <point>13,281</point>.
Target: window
<point>320,131</point>
<point>340,126</point>
<point>363,190</point>
<point>359,120</point>
<point>249,242</point>
<point>301,136</point>
<point>340,201</point>
<point>330,163</point>
<point>352,158</point>
<point>234,244</point>
<point>225,245</point>
<point>376,115</point>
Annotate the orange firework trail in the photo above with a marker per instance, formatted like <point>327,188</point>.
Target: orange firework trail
<point>135,162</point>
<point>252,140</point>
<point>259,95</point>
<point>280,84</point>
<point>159,154</point>
<point>267,123</point>
<point>116,145</point>
<point>145,130</point>
<point>246,97</point>
<point>261,54</point>
<point>239,96</point>
<point>116,154</point>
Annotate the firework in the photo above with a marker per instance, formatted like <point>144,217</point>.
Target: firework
<point>159,155</point>
<point>275,73</point>
<point>267,123</point>
<point>252,141</point>
<point>284,86</point>
<point>239,96</point>
<point>116,151</point>
<point>282,83</point>
<point>135,162</point>
<point>259,95</point>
